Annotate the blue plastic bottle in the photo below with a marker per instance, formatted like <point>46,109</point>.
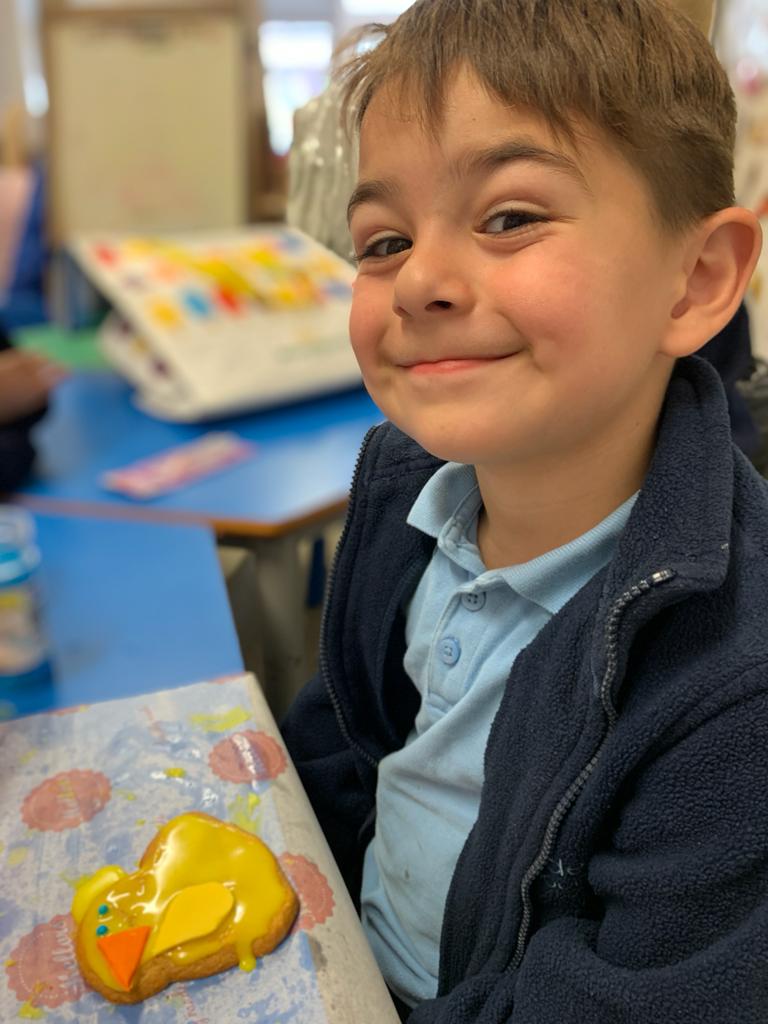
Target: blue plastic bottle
<point>23,648</point>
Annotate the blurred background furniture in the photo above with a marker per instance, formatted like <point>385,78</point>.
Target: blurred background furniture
<point>147,116</point>
<point>128,608</point>
<point>271,506</point>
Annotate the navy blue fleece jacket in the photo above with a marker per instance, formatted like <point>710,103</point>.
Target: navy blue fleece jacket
<point>618,869</point>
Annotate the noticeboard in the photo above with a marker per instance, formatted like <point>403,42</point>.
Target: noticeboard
<point>148,116</point>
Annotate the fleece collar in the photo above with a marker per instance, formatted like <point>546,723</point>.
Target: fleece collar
<point>680,527</point>
<point>683,516</point>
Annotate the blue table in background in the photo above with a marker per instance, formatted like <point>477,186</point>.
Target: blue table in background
<point>296,484</point>
<point>128,608</point>
<point>300,474</point>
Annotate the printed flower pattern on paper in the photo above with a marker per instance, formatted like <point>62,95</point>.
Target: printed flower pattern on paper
<point>247,757</point>
<point>88,789</point>
<point>42,968</point>
<point>311,885</point>
<point>66,800</point>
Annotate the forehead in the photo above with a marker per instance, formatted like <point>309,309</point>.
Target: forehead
<point>474,133</point>
<point>465,109</point>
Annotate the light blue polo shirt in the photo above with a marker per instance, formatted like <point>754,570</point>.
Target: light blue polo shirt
<point>465,626</point>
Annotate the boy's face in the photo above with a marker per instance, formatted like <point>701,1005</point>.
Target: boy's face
<point>512,294</point>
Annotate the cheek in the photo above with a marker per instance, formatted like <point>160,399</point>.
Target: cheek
<point>569,303</point>
<point>551,303</point>
<point>367,318</point>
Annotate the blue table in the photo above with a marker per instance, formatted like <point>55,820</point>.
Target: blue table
<point>301,472</point>
<point>296,484</point>
<point>128,608</point>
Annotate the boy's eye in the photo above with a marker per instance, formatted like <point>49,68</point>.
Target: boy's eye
<point>510,220</point>
<point>383,247</point>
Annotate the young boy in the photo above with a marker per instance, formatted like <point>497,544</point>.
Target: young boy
<point>538,741</point>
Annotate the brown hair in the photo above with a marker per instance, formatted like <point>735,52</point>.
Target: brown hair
<point>638,69</point>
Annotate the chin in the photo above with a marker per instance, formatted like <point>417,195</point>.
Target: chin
<point>452,432</point>
<point>450,448</point>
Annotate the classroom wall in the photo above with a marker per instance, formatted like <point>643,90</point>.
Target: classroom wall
<point>11,89</point>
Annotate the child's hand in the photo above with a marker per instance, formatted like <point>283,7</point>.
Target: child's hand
<point>26,380</point>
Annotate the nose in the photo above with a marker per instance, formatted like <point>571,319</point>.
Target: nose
<point>431,281</point>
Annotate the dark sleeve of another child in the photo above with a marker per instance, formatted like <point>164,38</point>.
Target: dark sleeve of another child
<point>682,932</point>
<point>730,352</point>
<point>16,451</point>
<point>329,773</point>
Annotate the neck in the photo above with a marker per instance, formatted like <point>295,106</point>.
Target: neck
<point>531,509</point>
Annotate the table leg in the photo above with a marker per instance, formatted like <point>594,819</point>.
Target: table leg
<point>279,586</point>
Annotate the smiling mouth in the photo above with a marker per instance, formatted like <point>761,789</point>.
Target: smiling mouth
<point>453,365</point>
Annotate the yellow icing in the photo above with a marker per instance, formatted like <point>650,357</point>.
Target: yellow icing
<point>242,812</point>
<point>221,722</point>
<point>28,1011</point>
<point>88,890</point>
<point>190,852</point>
<point>192,912</point>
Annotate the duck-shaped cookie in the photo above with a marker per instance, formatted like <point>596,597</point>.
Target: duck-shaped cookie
<point>206,896</point>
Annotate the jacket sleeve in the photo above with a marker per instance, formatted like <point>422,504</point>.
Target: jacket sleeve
<point>682,886</point>
<point>16,450</point>
<point>16,456</point>
<point>329,772</point>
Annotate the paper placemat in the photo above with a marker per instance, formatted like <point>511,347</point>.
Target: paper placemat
<point>90,786</point>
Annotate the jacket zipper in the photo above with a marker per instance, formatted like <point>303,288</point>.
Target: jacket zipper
<point>568,798</point>
<point>566,801</point>
<point>324,673</point>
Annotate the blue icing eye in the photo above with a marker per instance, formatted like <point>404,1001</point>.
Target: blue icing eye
<point>102,929</point>
<point>103,909</point>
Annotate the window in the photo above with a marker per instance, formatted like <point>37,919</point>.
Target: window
<point>296,56</point>
<point>375,9</point>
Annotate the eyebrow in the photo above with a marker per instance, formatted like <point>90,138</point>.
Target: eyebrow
<point>518,151</point>
<point>469,164</point>
<point>371,192</point>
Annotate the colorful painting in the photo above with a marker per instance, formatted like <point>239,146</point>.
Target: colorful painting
<point>212,323</point>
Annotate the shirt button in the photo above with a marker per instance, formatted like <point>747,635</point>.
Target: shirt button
<point>473,602</point>
<point>450,651</point>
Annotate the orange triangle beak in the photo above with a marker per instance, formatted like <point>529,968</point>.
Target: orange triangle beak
<point>122,951</point>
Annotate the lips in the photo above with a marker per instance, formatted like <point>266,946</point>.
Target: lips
<point>451,364</point>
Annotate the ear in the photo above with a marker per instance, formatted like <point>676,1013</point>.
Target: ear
<point>719,257</point>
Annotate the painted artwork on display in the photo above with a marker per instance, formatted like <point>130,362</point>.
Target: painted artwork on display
<point>206,324</point>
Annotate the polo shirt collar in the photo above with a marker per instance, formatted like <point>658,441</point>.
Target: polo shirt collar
<point>447,508</point>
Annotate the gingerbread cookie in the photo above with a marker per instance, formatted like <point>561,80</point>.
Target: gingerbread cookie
<point>206,896</point>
